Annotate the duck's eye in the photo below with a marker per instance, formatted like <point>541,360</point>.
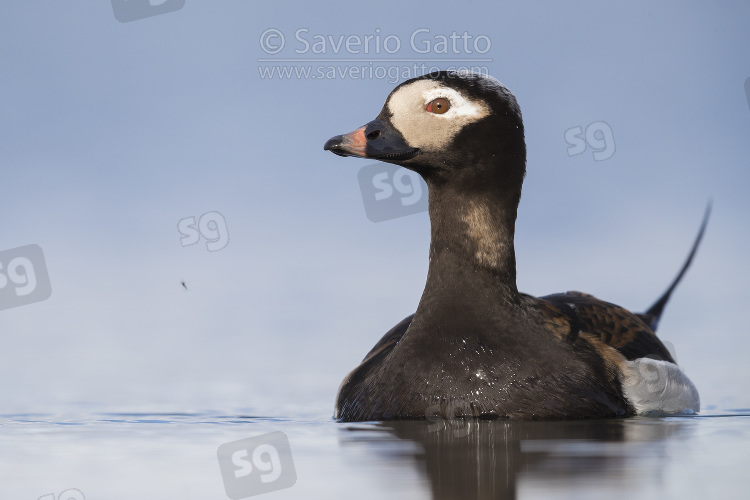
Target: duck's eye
<point>438,106</point>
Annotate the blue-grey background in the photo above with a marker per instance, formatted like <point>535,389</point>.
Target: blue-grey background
<point>111,133</point>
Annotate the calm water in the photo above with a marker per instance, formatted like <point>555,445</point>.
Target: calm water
<point>164,456</point>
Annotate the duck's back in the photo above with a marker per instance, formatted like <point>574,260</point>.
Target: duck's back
<point>611,324</point>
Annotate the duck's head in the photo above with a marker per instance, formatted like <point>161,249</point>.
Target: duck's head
<point>447,126</point>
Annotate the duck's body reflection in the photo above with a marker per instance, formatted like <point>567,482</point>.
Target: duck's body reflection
<point>479,459</point>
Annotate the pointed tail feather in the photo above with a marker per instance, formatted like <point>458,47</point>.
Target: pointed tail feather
<point>651,317</point>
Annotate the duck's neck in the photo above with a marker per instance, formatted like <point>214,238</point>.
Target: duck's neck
<point>472,272</point>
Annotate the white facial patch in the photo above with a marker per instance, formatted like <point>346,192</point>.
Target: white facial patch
<point>429,131</point>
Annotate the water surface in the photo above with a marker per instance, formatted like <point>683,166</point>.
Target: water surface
<point>156,455</point>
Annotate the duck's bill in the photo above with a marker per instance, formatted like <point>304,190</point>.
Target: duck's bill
<point>375,140</point>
